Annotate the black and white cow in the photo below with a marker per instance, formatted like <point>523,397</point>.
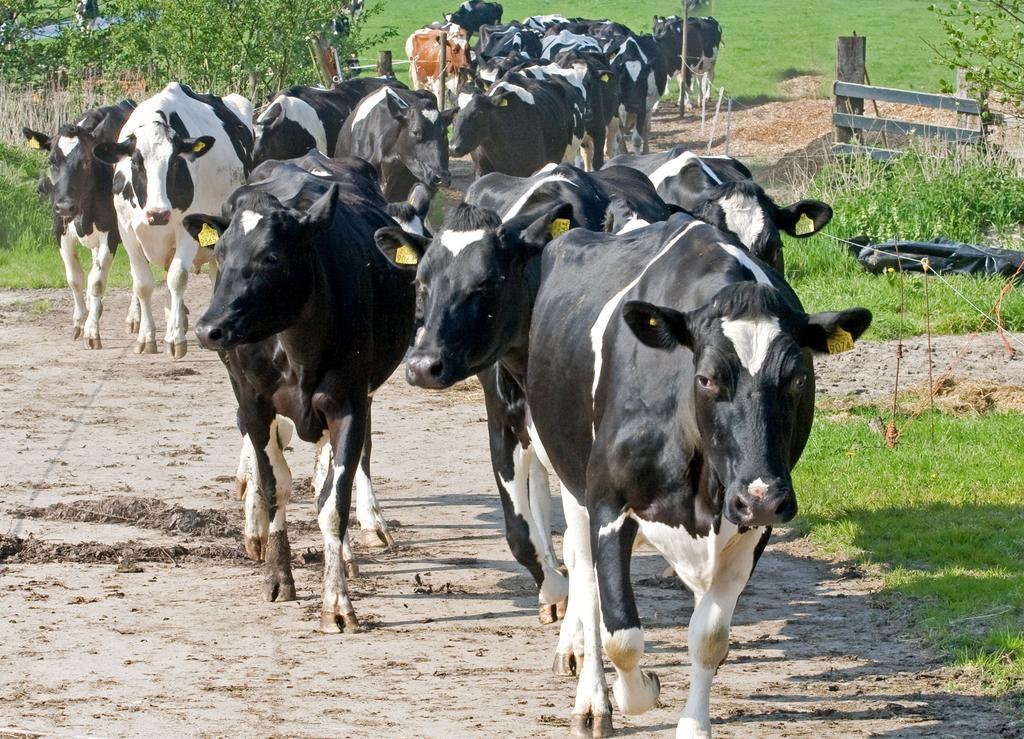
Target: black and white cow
<point>503,41</point>
<point>310,319</point>
<point>555,43</point>
<point>520,125</point>
<point>473,14</point>
<point>542,23</point>
<point>671,389</point>
<point>81,194</point>
<point>403,135</point>
<point>720,190</point>
<point>704,36</point>
<point>474,306</point>
<point>178,153</point>
<point>642,78</point>
<point>301,118</point>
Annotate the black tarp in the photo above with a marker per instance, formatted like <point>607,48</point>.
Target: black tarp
<point>944,257</point>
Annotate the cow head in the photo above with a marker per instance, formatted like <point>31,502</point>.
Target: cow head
<point>473,123</point>
<point>749,382</point>
<point>279,136</point>
<point>421,143</point>
<point>266,266</point>
<point>160,152</point>
<point>745,209</point>
<point>72,172</point>
<point>472,296</point>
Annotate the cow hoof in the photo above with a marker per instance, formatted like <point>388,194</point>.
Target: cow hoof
<point>255,548</point>
<point>278,588</point>
<point>691,728</point>
<point>592,725</point>
<point>566,665</point>
<point>76,333</point>
<point>351,568</point>
<point>547,613</point>
<point>638,699</point>
<point>131,327</point>
<point>93,343</point>
<point>179,350</point>
<point>333,623</point>
<point>146,347</point>
<point>560,608</point>
<point>378,537</point>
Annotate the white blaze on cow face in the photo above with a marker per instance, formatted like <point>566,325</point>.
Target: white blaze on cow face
<point>250,219</point>
<point>67,144</point>
<point>744,216</point>
<point>431,115</point>
<point>752,339</point>
<point>633,68</point>
<point>457,241</point>
<point>465,97</point>
<point>153,143</point>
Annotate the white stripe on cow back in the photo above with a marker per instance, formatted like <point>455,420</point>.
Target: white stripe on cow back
<point>521,202</point>
<point>674,166</point>
<point>67,144</point>
<point>744,216</point>
<point>372,101</point>
<point>520,92</point>
<point>250,219</point>
<point>744,258</point>
<point>601,324</point>
<point>635,223</point>
<point>457,241</point>
<point>302,113</point>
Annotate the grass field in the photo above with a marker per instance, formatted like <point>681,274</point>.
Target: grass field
<point>765,41</point>
<point>943,522</point>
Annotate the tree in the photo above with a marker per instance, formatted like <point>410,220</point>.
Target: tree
<point>986,38</point>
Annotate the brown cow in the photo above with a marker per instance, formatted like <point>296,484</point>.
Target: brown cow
<point>423,48</point>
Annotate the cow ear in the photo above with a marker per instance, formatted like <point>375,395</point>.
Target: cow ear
<point>112,152</point>
<point>536,233</point>
<point>205,229</point>
<point>271,115</point>
<point>419,199</point>
<point>192,149</point>
<point>320,215</point>
<point>397,106</point>
<point>402,249</point>
<point>447,116</point>
<point>36,140</point>
<point>804,219</point>
<point>834,333</point>
<point>500,100</point>
<point>658,327</point>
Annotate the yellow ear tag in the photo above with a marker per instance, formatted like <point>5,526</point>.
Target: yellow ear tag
<point>605,77</point>
<point>503,103</point>
<point>406,255</point>
<point>198,147</point>
<point>559,226</point>
<point>208,236</point>
<point>804,226</point>
<point>839,341</point>
<point>33,143</point>
<point>652,321</point>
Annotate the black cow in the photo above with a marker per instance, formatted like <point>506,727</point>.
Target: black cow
<point>301,118</point>
<point>720,190</point>
<point>520,125</point>
<point>403,135</point>
<point>671,389</point>
<point>703,37</point>
<point>309,318</point>
<point>475,13</point>
<point>81,192</point>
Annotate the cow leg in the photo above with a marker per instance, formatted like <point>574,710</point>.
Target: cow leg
<point>177,280</point>
<point>708,636</point>
<point>278,583</point>
<point>322,466</point>
<point>102,258</point>
<point>635,691</point>
<point>75,278</point>
<point>131,319</point>
<point>257,514</point>
<point>569,653</point>
<point>555,589</point>
<point>371,520</point>
<point>592,713</point>
<point>613,139</point>
<point>142,287</point>
<point>598,147</point>
<point>587,153</point>
<point>346,421</point>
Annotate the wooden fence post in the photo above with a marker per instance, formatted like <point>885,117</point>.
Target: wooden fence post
<point>442,61</point>
<point>682,59</point>
<point>851,58</point>
<point>384,68</point>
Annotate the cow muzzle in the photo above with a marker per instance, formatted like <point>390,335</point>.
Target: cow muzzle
<point>212,335</point>
<point>425,370</point>
<point>158,217</point>
<point>761,503</point>
<point>66,209</point>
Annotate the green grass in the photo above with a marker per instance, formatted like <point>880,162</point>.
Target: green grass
<point>765,40</point>
<point>945,523</point>
<point>29,256</point>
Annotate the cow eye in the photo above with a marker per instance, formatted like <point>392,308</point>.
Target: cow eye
<point>706,383</point>
<point>800,381</point>
<point>270,259</point>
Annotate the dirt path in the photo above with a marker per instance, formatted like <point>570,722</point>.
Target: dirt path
<point>177,641</point>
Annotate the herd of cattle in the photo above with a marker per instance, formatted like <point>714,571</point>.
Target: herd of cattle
<point>629,320</point>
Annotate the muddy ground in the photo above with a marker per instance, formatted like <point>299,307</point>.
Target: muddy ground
<point>129,609</point>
